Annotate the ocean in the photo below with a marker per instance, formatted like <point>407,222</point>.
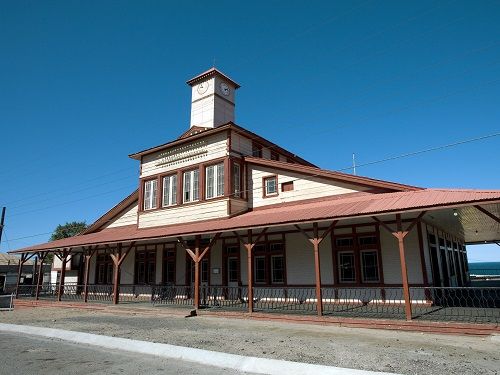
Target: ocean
<point>484,268</point>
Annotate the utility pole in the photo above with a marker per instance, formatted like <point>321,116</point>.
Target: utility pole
<point>1,223</point>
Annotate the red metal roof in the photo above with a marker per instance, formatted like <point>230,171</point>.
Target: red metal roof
<point>345,206</point>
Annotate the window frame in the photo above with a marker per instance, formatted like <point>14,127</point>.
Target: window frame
<point>173,190</point>
<point>265,192</point>
<point>218,180</point>
<point>339,256</point>
<point>236,180</point>
<point>363,267</point>
<point>193,187</point>
<point>153,198</point>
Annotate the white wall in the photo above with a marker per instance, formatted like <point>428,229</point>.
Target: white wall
<point>184,214</point>
<point>185,155</point>
<point>127,217</point>
<point>391,261</point>
<point>304,187</point>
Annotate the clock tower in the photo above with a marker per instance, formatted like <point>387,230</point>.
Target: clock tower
<point>213,95</point>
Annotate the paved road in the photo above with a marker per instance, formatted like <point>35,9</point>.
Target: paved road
<point>35,355</point>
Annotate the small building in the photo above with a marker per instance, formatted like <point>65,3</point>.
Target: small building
<point>223,217</point>
<point>9,270</point>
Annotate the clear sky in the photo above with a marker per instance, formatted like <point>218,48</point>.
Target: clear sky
<point>85,83</point>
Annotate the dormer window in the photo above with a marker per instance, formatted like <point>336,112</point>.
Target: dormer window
<point>214,181</point>
<point>150,193</point>
<point>191,186</point>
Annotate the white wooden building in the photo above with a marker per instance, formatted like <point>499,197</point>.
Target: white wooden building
<point>220,207</point>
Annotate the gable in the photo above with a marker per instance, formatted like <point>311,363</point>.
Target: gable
<point>127,217</point>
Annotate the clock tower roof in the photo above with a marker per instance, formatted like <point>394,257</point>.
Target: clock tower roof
<point>210,73</point>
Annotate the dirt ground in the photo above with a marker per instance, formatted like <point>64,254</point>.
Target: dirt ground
<point>367,349</point>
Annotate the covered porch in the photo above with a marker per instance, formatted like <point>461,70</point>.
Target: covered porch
<point>424,277</point>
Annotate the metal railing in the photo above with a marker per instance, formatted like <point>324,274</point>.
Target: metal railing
<point>371,302</point>
<point>284,299</point>
<point>230,297</point>
<point>172,295</point>
<point>468,304</point>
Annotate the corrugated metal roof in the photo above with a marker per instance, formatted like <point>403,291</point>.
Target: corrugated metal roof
<point>345,206</point>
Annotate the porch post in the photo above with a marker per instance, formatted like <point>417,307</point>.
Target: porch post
<point>317,270</point>
<point>19,271</point>
<point>197,257</point>
<point>116,275</point>
<point>39,279</point>
<point>88,256</point>
<point>316,241</point>
<point>400,235</point>
<point>196,301</point>
<point>64,260</point>
<point>249,246</point>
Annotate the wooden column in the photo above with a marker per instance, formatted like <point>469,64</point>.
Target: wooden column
<point>24,258</point>
<point>39,279</point>
<point>118,259</point>
<point>249,245</point>
<point>89,253</point>
<point>63,256</point>
<point>316,241</point>
<point>197,257</point>
<point>400,235</point>
<point>196,300</point>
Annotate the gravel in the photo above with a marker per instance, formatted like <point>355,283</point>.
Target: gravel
<point>367,349</point>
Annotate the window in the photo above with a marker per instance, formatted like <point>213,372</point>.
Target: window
<point>150,194</point>
<point>287,186</point>
<point>344,242</point>
<point>236,180</point>
<point>256,150</point>
<point>169,190</point>
<point>260,269</point>
<point>169,265</point>
<point>191,186</point>
<point>274,156</point>
<point>365,241</point>
<point>277,269</point>
<point>270,186</point>
<point>215,181</point>
<point>104,269</point>
<point>369,266</point>
<point>145,267</point>
<point>346,267</point>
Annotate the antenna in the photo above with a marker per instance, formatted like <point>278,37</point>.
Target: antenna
<point>214,62</point>
<point>354,163</point>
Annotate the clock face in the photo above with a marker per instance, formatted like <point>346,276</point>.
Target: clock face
<point>224,88</point>
<point>202,88</point>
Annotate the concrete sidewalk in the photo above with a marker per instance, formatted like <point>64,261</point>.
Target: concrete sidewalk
<point>205,357</point>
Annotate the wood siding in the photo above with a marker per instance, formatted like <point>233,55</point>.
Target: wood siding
<point>194,153</point>
<point>127,217</point>
<point>305,187</point>
<point>184,214</point>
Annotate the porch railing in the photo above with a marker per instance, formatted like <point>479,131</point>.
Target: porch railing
<point>468,304</point>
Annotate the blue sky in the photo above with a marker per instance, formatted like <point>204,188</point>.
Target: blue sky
<point>84,84</point>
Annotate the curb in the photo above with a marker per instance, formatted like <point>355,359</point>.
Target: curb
<point>225,360</point>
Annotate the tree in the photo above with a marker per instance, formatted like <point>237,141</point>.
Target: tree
<point>68,230</point>
<point>64,231</point>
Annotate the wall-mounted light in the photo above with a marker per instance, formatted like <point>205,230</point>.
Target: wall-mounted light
<point>455,213</point>
<point>477,232</point>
